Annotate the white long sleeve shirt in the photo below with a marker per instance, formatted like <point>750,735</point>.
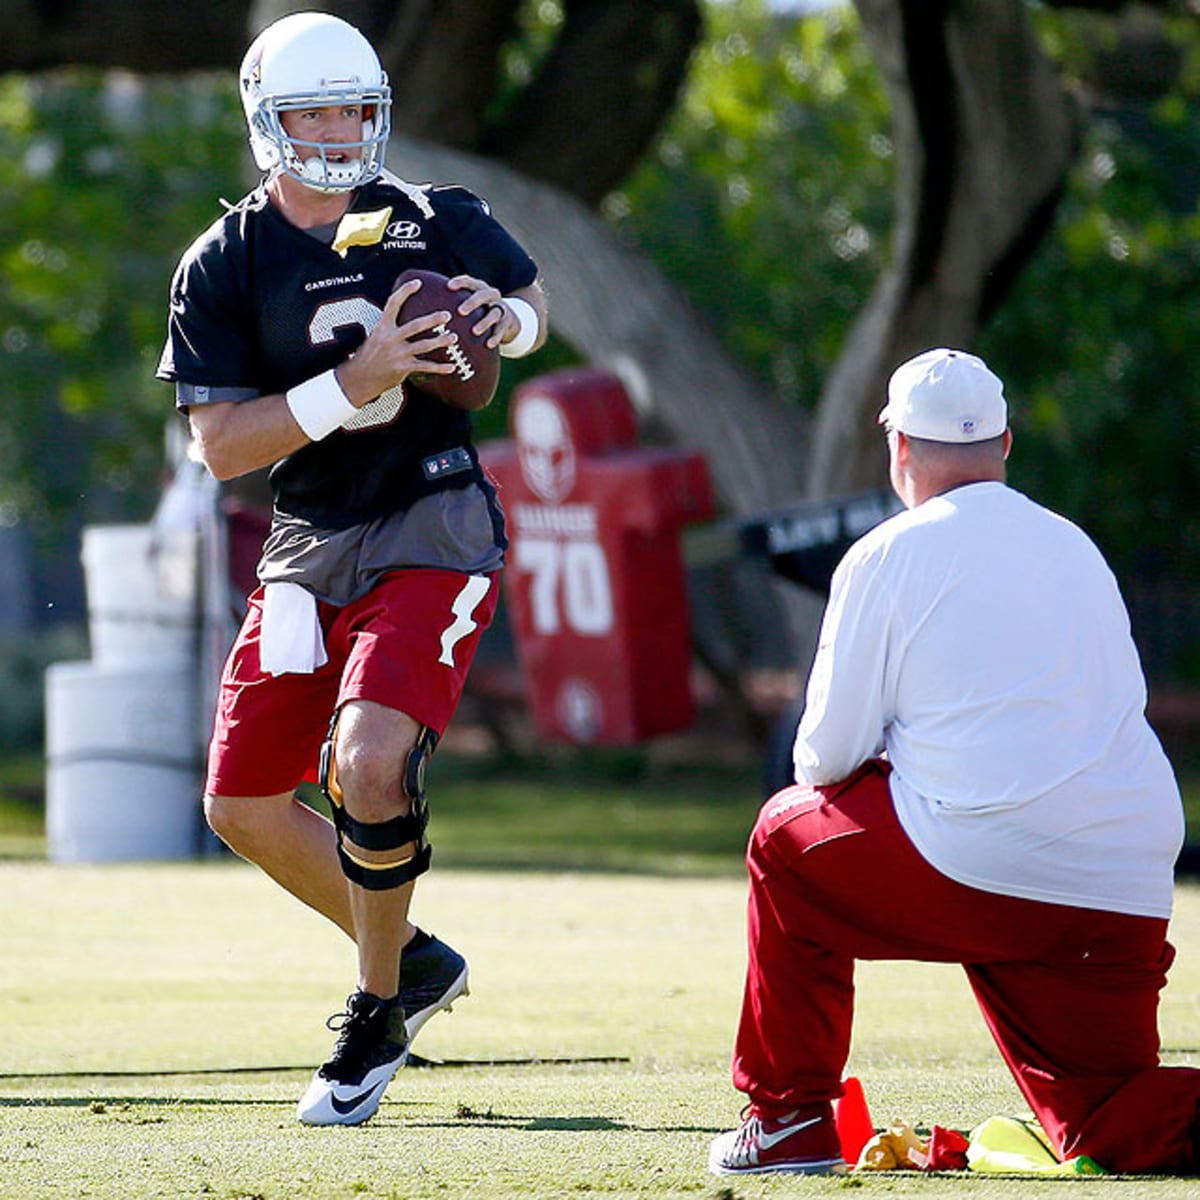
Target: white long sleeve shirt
<point>980,641</point>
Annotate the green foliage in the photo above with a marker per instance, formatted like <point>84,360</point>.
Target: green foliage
<point>103,180</point>
<point>769,196</point>
<point>1099,340</point>
<point>768,200</point>
<point>1098,346</point>
<point>538,21</point>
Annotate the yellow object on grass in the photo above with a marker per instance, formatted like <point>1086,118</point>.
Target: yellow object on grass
<point>1007,1146</point>
<point>897,1148</point>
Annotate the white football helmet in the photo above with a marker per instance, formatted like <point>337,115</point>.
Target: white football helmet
<point>313,60</point>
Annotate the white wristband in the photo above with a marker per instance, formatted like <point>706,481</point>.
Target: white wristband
<point>527,335</point>
<point>319,405</point>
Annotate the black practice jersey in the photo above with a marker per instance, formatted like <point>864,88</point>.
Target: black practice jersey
<point>258,306</point>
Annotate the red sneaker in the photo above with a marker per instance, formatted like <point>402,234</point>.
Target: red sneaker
<point>803,1143</point>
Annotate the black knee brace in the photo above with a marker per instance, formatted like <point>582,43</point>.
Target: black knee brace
<point>382,835</point>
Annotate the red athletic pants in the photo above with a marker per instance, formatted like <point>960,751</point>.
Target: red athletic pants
<point>1070,994</point>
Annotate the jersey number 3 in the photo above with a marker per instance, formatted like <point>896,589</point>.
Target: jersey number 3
<point>322,329</point>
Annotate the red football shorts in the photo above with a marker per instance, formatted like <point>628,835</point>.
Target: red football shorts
<point>407,644</point>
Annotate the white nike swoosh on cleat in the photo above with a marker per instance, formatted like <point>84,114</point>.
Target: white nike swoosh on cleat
<point>768,1140</point>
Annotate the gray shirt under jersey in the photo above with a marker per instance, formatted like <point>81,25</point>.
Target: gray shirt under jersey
<point>451,530</point>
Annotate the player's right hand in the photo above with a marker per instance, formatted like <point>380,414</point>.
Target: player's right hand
<point>392,352</point>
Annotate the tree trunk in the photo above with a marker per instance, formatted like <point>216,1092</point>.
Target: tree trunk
<point>984,134</point>
<point>137,35</point>
<point>602,94</point>
<point>619,313</point>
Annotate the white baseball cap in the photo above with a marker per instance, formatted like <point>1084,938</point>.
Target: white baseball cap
<point>946,396</point>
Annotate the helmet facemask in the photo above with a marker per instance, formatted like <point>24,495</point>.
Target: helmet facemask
<point>363,159</point>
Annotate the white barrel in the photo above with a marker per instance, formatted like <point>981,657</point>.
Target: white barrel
<point>141,593</point>
<point>122,764</point>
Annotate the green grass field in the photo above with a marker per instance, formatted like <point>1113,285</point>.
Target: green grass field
<point>159,1021</point>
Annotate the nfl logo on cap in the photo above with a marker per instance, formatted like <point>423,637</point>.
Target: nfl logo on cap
<point>946,396</point>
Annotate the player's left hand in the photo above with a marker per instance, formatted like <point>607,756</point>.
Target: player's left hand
<point>496,321</point>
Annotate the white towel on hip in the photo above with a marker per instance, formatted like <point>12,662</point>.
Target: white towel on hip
<point>290,641</point>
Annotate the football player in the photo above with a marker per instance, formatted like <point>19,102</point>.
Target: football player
<point>380,570</point>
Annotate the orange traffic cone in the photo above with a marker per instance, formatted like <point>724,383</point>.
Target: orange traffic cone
<point>852,1120</point>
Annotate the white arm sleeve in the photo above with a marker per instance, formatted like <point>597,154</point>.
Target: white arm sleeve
<point>846,705</point>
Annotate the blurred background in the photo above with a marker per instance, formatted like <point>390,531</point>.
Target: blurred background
<point>747,212</point>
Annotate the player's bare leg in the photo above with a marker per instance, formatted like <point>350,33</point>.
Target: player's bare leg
<point>373,745</point>
<point>297,848</point>
<point>373,771</point>
<point>294,845</point>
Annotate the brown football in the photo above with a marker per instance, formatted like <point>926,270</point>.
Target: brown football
<point>476,367</point>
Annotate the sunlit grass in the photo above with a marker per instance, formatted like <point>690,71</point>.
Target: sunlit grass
<point>159,1022</point>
